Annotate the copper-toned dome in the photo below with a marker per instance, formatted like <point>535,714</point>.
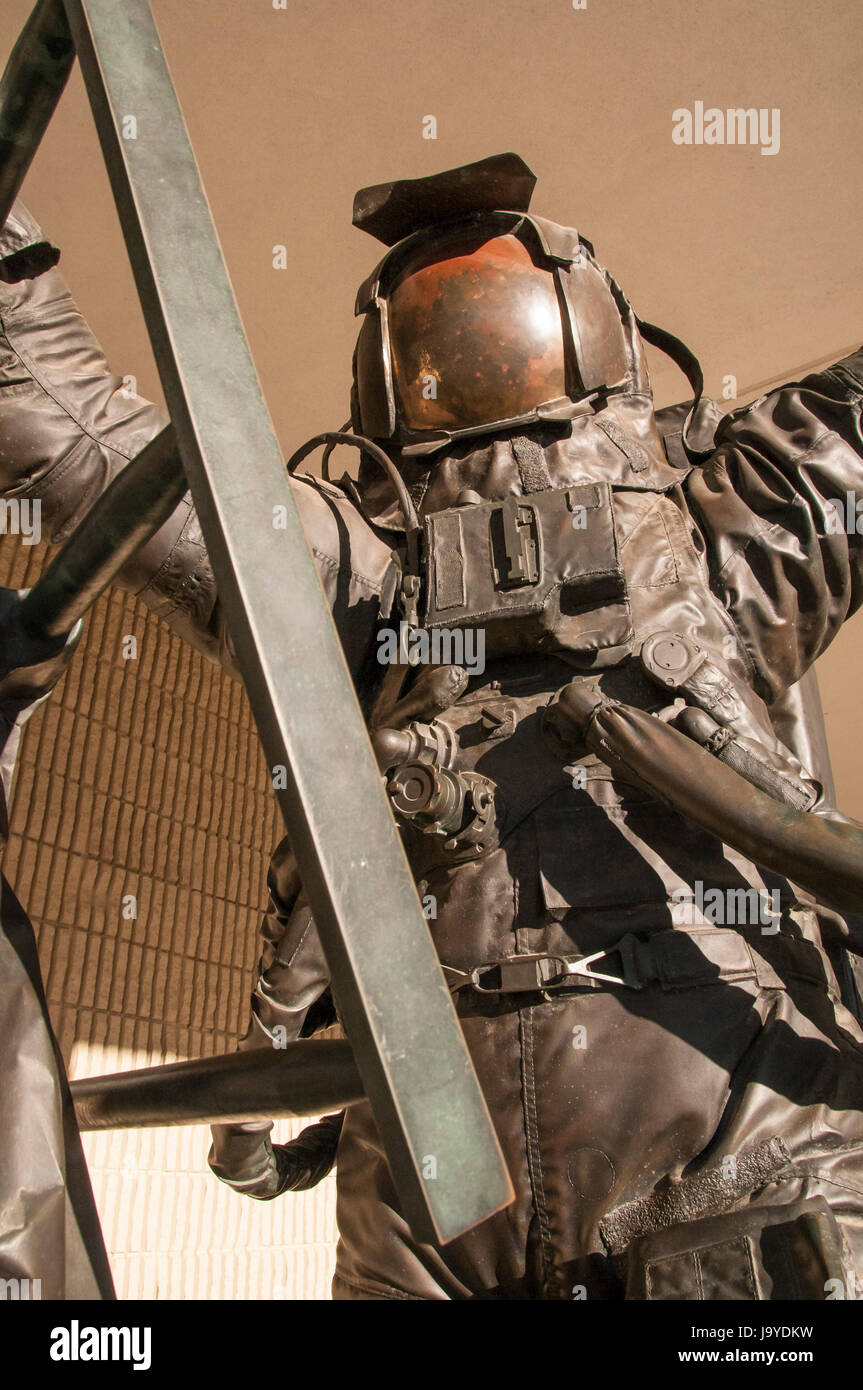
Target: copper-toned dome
<point>475,335</point>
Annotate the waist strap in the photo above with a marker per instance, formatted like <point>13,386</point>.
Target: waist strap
<point>673,960</point>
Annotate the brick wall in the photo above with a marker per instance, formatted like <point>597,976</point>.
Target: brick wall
<point>143,778</point>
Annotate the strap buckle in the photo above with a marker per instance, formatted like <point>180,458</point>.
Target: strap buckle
<point>513,975</point>
<point>580,966</point>
<point>542,972</point>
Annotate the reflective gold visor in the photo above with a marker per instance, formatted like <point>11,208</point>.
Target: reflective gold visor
<point>475,336</point>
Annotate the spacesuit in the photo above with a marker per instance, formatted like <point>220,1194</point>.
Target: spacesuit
<point>660,1026</point>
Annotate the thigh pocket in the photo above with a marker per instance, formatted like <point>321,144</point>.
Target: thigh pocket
<point>783,1253</point>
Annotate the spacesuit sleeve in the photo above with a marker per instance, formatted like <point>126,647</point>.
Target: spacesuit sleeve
<point>776,505</point>
<point>290,1000</point>
<point>292,970</point>
<point>68,425</point>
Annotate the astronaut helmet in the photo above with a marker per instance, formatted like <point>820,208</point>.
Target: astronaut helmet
<point>482,318</point>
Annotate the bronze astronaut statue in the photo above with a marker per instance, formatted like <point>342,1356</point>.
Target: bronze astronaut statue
<point>664,1030</point>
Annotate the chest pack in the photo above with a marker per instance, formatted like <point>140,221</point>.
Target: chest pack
<point>537,572</point>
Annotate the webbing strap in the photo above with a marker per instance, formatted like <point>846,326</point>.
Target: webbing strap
<point>703,1194</point>
<point>679,353</point>
<point>532,467</point>
<point>678,959</point>
<point>629,447</point>
<point>697,431</point>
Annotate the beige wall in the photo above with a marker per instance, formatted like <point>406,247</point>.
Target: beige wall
<point>752,259</point>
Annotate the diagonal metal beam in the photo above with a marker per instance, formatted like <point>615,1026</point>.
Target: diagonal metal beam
<point>141,498</point>
<point>32,84</point>
<point>389,987</point>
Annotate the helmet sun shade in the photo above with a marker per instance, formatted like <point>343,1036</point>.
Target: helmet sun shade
<point>469,330</point>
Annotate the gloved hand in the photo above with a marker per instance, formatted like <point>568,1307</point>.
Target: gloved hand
<point>29,667</point>
<point>243,1157</point>
<point>29,670</point>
